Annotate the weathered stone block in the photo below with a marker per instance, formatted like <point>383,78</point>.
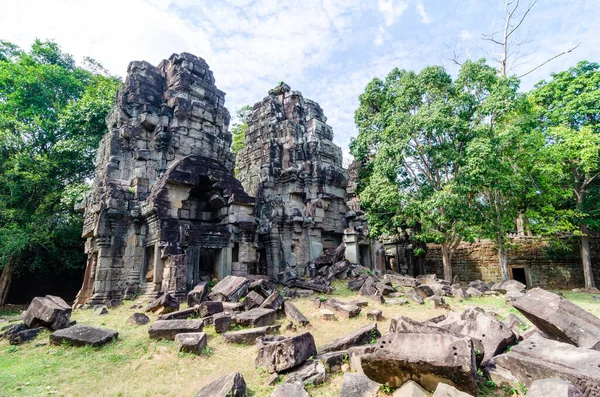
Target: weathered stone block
<point>230,385</point>
<point>276,355</point>
<point>50,311</point>
<point>192,342</point>
<point>425,358</point>
<point>362,336</point>
<point>560,319</point>
<point>167,329</point>
<point>258,317</point>
<point>82,335</point>
<point>249,336</point>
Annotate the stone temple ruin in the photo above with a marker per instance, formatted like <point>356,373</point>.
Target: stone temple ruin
<point>165,209</point>
<point>294,170</point>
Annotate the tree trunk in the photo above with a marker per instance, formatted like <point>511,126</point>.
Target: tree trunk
<point>585,258</point>
<point>447,261</point>
<point>5,280</point>
<point>502,257</point>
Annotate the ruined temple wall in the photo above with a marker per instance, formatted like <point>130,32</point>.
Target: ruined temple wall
<point>479,260</point>
<point>295,171</point>
<point>167,136</point>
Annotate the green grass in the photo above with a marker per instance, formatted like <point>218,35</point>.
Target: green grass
<point>138,366</point>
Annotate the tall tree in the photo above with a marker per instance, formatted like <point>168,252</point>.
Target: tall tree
<point>238,130</point>
<point>569,113</point>
<point>415,132</point>
<point>51,120</point>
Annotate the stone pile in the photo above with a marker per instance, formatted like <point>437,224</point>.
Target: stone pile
<point>54,314</point>
<point>443,355</point>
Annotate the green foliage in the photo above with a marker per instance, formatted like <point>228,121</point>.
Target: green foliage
<point>420,137</point>
<point>238,130</point>
<point>387,389</point>
<point>51,121</point>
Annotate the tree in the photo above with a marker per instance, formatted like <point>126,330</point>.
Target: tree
<point>509,44</point>
<point>501,171</point>
<point>568,107</point>
<point>51,121</point>
<point>415,132</point>
<point>238,130</point>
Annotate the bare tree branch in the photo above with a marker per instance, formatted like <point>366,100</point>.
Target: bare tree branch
<point>551,59</point>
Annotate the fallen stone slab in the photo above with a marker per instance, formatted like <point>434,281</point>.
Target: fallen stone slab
<point>424,291</point>
<point>293,389</point>
<point>414,296</point>
<point>359,302</point>
<point>138,319</point>
<point>222,322</point>
<point>295,315</point>
<point>261,287</point>
<point>327,315</point>
<point>362,336</point>
<point>375,315</point>
<point>333,361</point>
<point>473,292</point>
<point>230,385</point>
<point>553,388</point>
<point>198,294</point>
<point>540,358</point>
<point>312,372</point>
<point>368,288</point>
<point>230,289</point>
<point>311,285</point>
<point>396,302</point>
<point>460,293</point>
<point>501,377</point>
<point>384,289</point>
<point>506,286</point>
<point>258,317</point>
<point>358,385</point>
<point>50,311</point>
<point>167,329</point>
<point>286,276</point>
<point>410,389</point>
<point>249,336</point>
<point>476,323</point>
<point>273,301</point>
<point>252,300</point>
<point>165,303</point>
<point>193,342</point>
<point>179,314</point>
<point>401,281</point>
<point>560,319</point>
<point>8,330</point>
<point>233,307</point>
<point>445,390</point>
<point>357,283</point>
<point>479,285</point>
<point>344,310</point>
<point>26,335</point>
<point>276,354</point>
<point>425,358</point>
<point>208,308</point>
<point>356,353</point>
<point>100,310</point>
<point>83,335</point>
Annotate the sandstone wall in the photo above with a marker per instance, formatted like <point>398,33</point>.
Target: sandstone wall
<point>479,260</point>
<point>295,171</point>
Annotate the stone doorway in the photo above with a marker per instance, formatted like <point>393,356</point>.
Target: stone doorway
<point>201,264</point>
<point>519,274</point>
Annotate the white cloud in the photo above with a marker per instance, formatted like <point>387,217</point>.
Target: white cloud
<point>379,36</point>
<point>422,13</point>
<point>392,10</point>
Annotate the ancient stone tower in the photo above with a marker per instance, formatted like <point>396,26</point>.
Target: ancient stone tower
<point>164,209</point>
<point>294,170</point>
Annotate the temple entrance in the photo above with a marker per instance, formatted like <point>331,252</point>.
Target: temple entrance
<point>260,266</point>
<point>518,274</point>
<point>200,265</point>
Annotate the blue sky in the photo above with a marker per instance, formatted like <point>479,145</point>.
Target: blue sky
<point>327,49</point>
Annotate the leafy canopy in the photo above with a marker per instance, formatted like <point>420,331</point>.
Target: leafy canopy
<point>51,120</point>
